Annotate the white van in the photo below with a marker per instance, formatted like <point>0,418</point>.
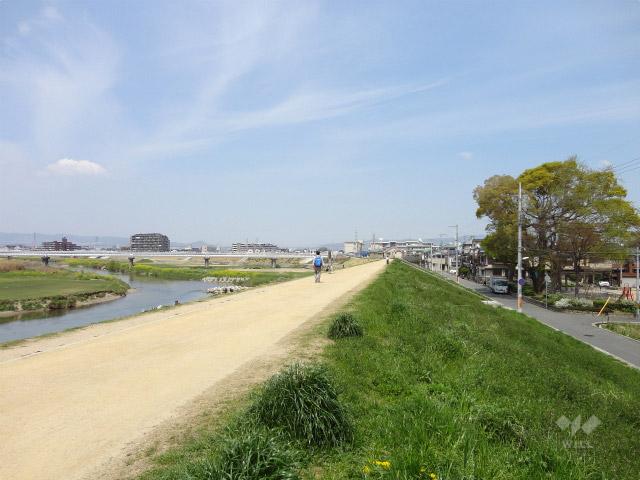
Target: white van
<point>499,285</point>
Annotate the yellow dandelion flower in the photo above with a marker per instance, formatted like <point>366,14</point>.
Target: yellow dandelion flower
<point>384,464</point>
<point>366,470</point>
<point>433,476</point>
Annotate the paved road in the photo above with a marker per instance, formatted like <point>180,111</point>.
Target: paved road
<point>578,325</point>
<point>71,402</point>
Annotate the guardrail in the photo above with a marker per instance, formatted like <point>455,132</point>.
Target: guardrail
<point>108,253</point>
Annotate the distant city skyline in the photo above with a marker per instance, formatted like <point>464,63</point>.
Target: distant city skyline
<point>299,122</point>
<point>28,239</point>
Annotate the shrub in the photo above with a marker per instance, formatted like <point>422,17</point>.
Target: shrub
<point>552,298</point>
<point>7,305</point>
<point>31,304</point>
<point>249,454</point>
<point>302,401</point>
<point>12,266</point>
<point>598,304</point>
<point>582,303</point>
<point>562,303</point>
<point>57,303</point>
<point>72,301</point>
<point>624,305</point>
<point>464,271</point>
<point>345,325</point>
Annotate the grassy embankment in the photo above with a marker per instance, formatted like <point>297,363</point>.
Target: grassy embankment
<point>631,330</point>
<point>438,386</point>
<point>30,290</point>
<point>172,272</point>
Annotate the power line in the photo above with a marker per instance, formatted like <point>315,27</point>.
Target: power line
<point>569,252</point>
<point>624,164</point>
<point>626,167</point>
<point>631,168</point>
<point>613,149</point>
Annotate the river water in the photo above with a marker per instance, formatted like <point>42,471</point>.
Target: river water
<point>147,294</point>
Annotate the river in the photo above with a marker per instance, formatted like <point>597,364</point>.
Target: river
<point>146,294</point>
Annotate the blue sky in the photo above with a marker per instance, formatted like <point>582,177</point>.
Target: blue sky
<point>299,122</point>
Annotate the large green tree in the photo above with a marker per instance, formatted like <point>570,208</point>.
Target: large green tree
<point>571,213</point>
<point>496,201</point>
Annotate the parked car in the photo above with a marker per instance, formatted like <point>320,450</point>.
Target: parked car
<point>499,285</point>
<point>604,283</point>
<point>453,271</point>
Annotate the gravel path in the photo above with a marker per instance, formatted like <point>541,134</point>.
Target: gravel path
<point>70,403</point>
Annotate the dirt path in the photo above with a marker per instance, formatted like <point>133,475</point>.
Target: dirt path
<point>70,403</point>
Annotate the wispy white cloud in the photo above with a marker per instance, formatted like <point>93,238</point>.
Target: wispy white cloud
<point>466,155</point>
<point>69,166</point>
<point>226,46</point>
<point>60,76</point>
<point>609,104</point>
<point>320,105</point>
<point>45,17</point>
<point>299,108</point>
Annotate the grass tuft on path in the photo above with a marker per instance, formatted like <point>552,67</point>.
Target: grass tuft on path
<point>302,401</point>
<point>247,452</point>
<point>345,325</point>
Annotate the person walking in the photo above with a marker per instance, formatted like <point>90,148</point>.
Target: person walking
<point>317,266</point>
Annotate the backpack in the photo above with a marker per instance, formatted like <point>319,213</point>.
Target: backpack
<point>317,262</point>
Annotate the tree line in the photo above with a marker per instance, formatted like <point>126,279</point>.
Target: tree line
<point>570,214</point>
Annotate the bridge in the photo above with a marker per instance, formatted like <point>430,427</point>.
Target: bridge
<point>45,255</point>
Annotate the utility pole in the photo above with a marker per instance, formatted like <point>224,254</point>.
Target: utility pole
<point>456,246</point>
<point>519,248</point>
<point>638,282</point>
<point>431,256</point>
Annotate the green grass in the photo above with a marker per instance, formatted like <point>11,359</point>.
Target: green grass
<point>629,329</point>
<point>170,272</point>
<point>345,325</point>
<point>303,402</point>
<point>295,413</point>
<point>24,285</point>
<point>246,452</point>
<point>439,383</point>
